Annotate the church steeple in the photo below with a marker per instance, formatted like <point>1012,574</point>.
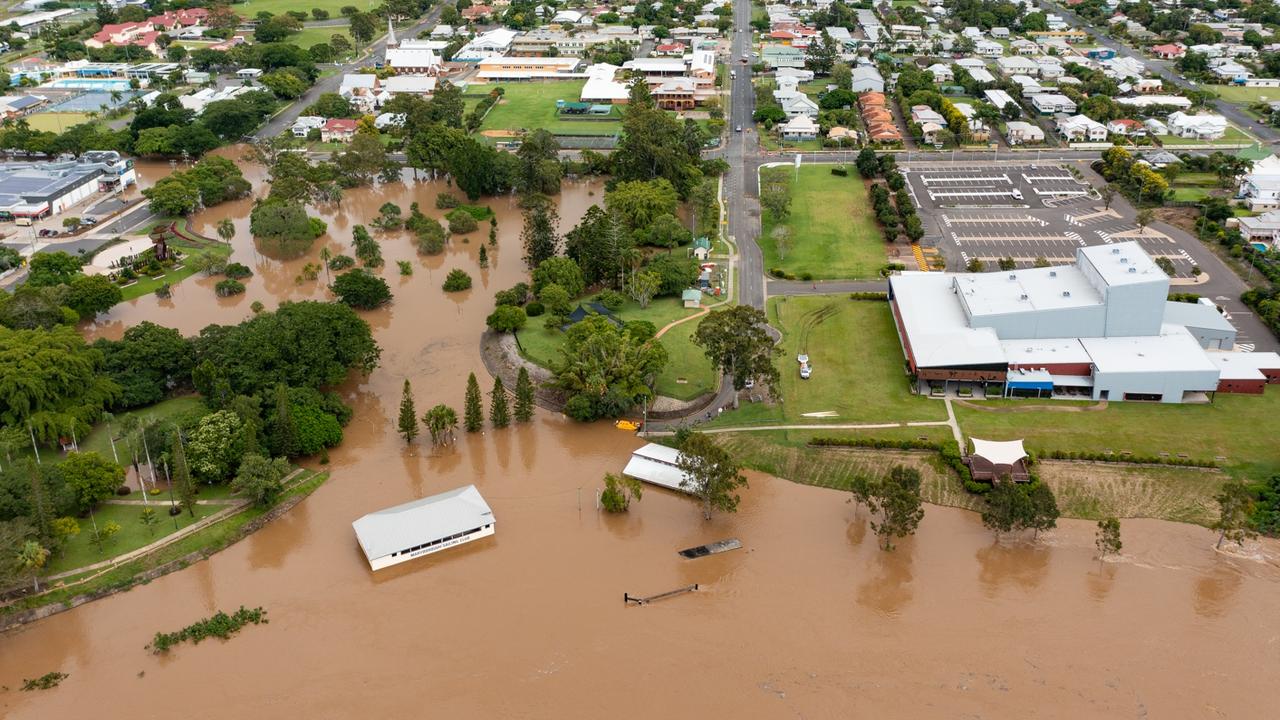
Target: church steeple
<point>391,34</point>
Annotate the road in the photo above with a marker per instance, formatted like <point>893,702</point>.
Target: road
<point>742,207</point>
<point>1169,73</point>
<point>285,119</point>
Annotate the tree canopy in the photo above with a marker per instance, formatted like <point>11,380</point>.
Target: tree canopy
<point>605,370</point>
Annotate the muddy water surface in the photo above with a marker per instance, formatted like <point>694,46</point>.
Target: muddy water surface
<point>810,619</point>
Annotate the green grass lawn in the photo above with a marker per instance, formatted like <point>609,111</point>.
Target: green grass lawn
<point>857,366</point>
<point>79,551</point>
<point>279,7</point>
<point>532,105</point>
<point>688,373</point>
<point>98,441</point>
<point>1232,426</point>
<point>309,36</point>
<point>55,121</point>
<point>1233,136</point>
<point>1189,194</point>
<point>833,233</point>
<point>148,285</point>
<point>769,142</point>
<point>1243,95</point>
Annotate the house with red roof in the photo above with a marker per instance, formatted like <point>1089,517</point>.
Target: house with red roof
<point>339,130</point>
<point>671,49</point>
<point>476,12</point>
<point>139,34</point>
<point>173,20</point>
<point>1126,127</point>
<point>1171,51</point>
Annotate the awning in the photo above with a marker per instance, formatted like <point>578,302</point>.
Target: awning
<point>999,452</point>
<point>1072,381</point>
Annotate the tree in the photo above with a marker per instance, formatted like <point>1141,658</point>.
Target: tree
<point>1044,512</point>
<point>781,236</point>
<point>562,271</point>
<point>363,27</point>
<point>1008,508</point>
<point>285,437</point>
<point>643,286</point>
<point>710,474</point>
<point>1108,194</point>
<point>842,76</point>
<point>457,280</point>
<point>539,237</point>
<point>499,414</point>
<point>1144,218</point>
<point>362,289</point>
<point>214,448</point>
<point>1108,538</point>
<point>638,203</point>
<point>408,415</point>
<point>52,268</point>
<point>63,529</point>
<point>30,559</point>
<point>473,412</point>
<point>89,295</point>
<point>775,196</point>
<point>1235,506</point>
<point>226,230</point>
<point>441,421</point>
<point>148,520</point>
<point>736,342</point>
<point>619,491</point>
<point>866,163</point>
<point>897,499</point>
<point>91,478</point>
<point>507,318</point>
<point>182,481</point>
<point>524,396</point>
<point>261,479</point>
<point>605,370</point>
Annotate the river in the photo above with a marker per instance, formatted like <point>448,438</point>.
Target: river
<point>809,619</point>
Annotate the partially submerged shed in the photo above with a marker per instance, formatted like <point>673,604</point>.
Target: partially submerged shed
<point>421,527</point>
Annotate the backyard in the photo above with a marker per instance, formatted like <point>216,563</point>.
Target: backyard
<point>688,373</point>
<point>1233,137</point>
<point>1194,187</point>
<point>833,234</point>
<point>315,35</point>
<point>532,105</point>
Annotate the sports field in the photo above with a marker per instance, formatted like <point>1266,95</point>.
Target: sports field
<point>532,106</point>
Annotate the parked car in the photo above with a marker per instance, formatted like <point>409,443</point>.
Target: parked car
<point>88,221</point>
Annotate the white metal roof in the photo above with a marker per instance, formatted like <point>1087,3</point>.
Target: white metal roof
<point>999,452</point>
<point>1244,365</point>
<point>936,325</point>
<point>1026,290</point>
<point>421,521</point>
<point>656,464</point>
<point>1124,263</point>
<point>1196,315</point>
<point>1173,350</point>
<point>1038,353</point>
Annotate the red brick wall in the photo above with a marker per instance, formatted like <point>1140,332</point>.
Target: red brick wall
<point>1250,387</point>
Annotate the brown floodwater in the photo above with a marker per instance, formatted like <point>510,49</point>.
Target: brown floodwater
<point>810,619</point>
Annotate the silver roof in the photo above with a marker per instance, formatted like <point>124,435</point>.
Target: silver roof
<point>421,521</point>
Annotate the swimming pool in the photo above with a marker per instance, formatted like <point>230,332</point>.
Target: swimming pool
<point>1260,247</point>
<point>107,84</point>
<point>95,101</point>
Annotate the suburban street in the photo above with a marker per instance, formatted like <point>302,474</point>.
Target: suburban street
<point>1169,73</point>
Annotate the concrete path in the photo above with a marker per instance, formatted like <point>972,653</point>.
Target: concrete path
<point>814,426</point>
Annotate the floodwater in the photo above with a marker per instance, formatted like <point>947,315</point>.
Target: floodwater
<point>810,619</point>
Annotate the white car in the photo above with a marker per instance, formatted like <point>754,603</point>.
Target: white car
<point>805,371</point>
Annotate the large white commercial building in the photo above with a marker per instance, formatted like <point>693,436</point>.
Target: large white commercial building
<point>422,527</point>
<point>1102,328</point>
<point>33,190</point>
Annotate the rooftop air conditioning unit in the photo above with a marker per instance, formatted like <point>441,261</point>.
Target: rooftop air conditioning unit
<point>1022,297</point>
<point>1133,269</point>
<point>1012,276</point>
<point>1053,273</point>
<point>1115,251</point>
<point>1066,293</point>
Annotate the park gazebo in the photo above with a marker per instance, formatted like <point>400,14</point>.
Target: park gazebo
<point>998,459</point>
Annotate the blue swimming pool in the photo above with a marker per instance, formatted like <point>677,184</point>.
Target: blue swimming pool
<point>1260,247</point>
<point>106,84</point>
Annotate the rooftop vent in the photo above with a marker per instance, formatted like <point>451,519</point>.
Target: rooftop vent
<point>1115,251</point>
<point>1133,269</point>
<point>1013,276</point>
<point>1053,273</point>
<point>1124,261</point>
<point>1022,297</point>
<point>1066,293</point>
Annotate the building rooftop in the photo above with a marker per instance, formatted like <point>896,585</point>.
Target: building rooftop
<point>1039,352</point>
<point>1123,264</point>
<point>403,526</point>
<point>937,327</point>
<point>1244,365</point>
<point>1173,350</point>
<point>1026,290</point>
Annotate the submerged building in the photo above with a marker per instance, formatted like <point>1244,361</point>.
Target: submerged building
<point>1101,328</point>
<point>422,527</point>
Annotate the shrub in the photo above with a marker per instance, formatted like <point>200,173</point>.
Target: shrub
<point>341,262</point>
<point>406,267</point>
<point>839,171</point>
<point>612,299</point>
<point>228,287</point>
<point>164,291</point>
<point>446,201</point>
<point>806,276</point>
<point>534,309</point>
<point>461,222</point>
<point>457,280</point>
<point>881,296</point>
<point>237,271</point>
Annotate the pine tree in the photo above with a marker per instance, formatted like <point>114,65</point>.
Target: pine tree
<point>498,412</point>
<point>286,430</point>
<point>484,257</point>
<point>182,477</point>
<point>524,396</point>
<point>473,410</point>
<point>408,415</point>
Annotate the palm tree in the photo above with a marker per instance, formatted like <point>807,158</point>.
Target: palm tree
<point>325,257</point>
<point>441,421</point>
<point>31,558</point>
<point>226,230</point>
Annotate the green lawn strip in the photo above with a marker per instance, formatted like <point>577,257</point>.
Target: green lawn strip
<point>56,122</point>
<point>685,360</point>
<point>857,366</point>
<point>1191,194</point>
<point>1243,95</point>
<point>279,7</point>
<point>833,233</point>
<point>1197,179</point>
<point>1232,426</point>
<point>79,551</point>
<point>148,285</point>
<point>309,36</point>
<point>1233,136</point>
<point>210,539</point>
<point>98,439</point>
<point>532,105</point>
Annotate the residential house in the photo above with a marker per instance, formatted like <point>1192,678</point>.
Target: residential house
<point>941,73</point>
<point>305,124</point>
<point>1127,128</point>
<point>1050,70</point>
<point>978,130</point>
<point>1000,33</point>
<point>1081,128</point>
<point>1022,46</point>
<point>800,104</point>
<point>982,76</point>
<point>881,127</point>
<point>1209,126</point>
<point>988,48</point>
<point>799,127</point>
<point>1147,86</point>
<point>1171,51</point>
<point>1155,127</point>
<point>338,130</point>
<point>999,98</point>
<point>866,78</point>
<point>1017,65</point>
<point>1027,85</point>
<point>1021,133</point>
<point>1052,104</point>
<point>360,90</point>
<point>1264,228</point>
<point>670,49</point>
<point>929,132</point>
<point>921,114</point>
<point>782,56</point>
